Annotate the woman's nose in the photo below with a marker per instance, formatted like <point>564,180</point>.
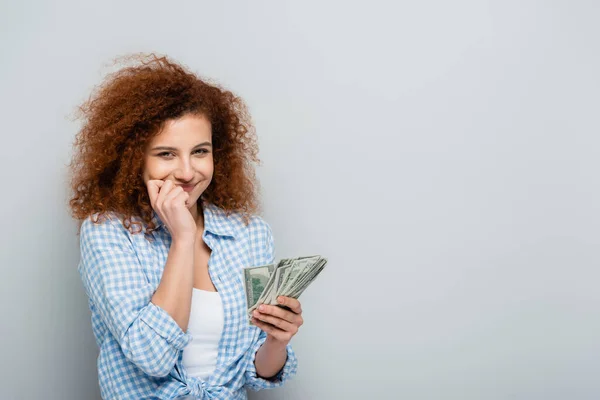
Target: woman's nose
<point>184,171</point>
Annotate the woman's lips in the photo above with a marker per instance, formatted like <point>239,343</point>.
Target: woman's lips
<point>188,188</point>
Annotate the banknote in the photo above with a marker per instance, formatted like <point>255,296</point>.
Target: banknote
<point>255,280</point>
<point>289,277</point>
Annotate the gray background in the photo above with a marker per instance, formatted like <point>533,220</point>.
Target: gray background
<point>442,155</point>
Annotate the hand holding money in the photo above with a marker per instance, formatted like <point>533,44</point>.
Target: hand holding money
<point>288,278</point>
<point>279,324</point>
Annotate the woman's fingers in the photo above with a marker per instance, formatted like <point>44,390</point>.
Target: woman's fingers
<point>277,322</point>
<point>163,192</point>
<point>291,303</point>
<point>172,195</point>
<point>153,186</point>
<point>279,313</point>
<point>271,330</point>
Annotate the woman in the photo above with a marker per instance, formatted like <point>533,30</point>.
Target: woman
<point>164,187</point>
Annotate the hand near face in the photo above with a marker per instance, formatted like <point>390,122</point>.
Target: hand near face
<point>169,202</point>
<point>279,324</point>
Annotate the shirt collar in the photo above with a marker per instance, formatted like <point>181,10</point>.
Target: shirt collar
<point>215,221</point>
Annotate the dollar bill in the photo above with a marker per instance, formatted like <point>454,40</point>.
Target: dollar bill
<point>289,277</point>
<point>255,281</point>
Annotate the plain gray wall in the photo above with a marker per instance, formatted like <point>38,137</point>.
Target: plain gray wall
<point>442,155</point>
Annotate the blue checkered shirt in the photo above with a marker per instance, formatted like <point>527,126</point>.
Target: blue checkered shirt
<point>140,345</point>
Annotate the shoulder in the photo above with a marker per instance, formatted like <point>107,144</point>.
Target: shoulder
<point>258,224</point>
<point>106,228</point>
<point>260,235</point>
<point>256,228</point>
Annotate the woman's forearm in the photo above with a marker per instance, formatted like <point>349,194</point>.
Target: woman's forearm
<point>174,293</point>
<point>270,359</point>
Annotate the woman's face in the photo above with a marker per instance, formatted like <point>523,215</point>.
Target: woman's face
<point>182,153</point>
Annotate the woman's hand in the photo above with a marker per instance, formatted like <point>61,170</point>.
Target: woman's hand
<point>279,324</point>
<point>169,202</point>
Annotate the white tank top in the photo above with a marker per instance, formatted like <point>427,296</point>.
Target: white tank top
<point>205,326</point>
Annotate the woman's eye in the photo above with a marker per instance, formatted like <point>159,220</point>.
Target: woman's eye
<point>169,154</point>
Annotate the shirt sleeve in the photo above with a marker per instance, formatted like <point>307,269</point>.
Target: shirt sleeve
<point>253,382</point>
<point>116,283</point>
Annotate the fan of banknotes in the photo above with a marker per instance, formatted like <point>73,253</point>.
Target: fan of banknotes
<point>289,277</point>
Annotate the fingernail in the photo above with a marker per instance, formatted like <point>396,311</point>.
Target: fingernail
<point>261,308</point>
<point>280,299</point>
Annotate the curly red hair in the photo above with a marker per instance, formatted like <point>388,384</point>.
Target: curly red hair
<point>129,108</point>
